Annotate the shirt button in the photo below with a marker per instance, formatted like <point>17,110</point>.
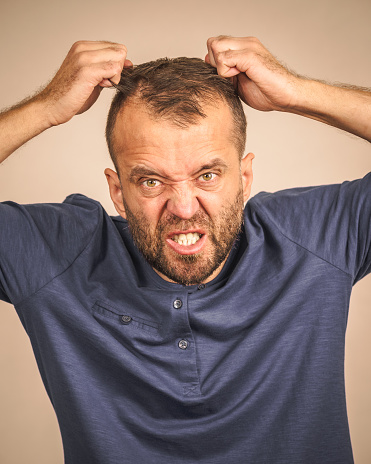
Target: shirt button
<point>126,319</point>
<point>183,344</point>
<point>201,286</point>
<point>177,304</point>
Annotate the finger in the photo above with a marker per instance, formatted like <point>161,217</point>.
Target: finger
<point>233,62</point>
<point>111,82</point>
<point>215,45</point>
<point>218,47</point>
<point>109,62</point>
<point>210,54</point>
<point>98,73</point>
<point>86,45</point>
<point>232,55</point>
<point>106,83</point>
<point>89,57</point>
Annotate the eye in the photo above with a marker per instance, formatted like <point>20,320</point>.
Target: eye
<point>151,183</point>
<point>208,176</point>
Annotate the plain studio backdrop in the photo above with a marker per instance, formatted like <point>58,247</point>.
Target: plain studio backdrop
<point>326,39</point>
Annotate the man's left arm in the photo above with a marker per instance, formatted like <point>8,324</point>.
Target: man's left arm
<point>265,84</point>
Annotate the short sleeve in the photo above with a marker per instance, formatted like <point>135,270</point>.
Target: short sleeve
<point>40,241</point>
<point>333,221</point>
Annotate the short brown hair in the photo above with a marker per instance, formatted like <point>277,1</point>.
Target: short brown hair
<point>176,89</point>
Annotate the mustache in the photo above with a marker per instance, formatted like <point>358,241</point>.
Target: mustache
<point>197,220</point>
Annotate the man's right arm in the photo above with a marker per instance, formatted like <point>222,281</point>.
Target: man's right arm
<point>87,68</point>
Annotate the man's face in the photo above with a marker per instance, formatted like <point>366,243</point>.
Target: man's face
<point>183,191</point>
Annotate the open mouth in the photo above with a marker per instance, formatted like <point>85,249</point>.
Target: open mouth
<point>186,239</point>
<point>187,242</point>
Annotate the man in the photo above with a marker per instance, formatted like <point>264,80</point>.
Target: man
<point>222,339</point>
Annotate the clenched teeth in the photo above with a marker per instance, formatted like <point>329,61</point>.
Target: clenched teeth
<point>187,239</point>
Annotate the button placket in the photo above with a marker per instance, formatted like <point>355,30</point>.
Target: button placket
<point>185,349</point>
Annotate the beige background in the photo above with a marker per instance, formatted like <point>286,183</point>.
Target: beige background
<point>328,39</point>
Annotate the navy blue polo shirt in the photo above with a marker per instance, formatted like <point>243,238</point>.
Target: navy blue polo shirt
<point>248,368</point>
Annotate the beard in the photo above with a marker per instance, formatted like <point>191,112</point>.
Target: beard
<point>189,269</point>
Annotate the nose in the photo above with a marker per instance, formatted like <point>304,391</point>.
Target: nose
<point>183,202</point>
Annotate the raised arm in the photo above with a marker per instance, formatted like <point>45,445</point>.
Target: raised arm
<point>265,84</point>
<point>74,89</point>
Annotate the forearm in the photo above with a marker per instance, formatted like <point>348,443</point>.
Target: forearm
<point>342,106</point>
<point>20,124</point>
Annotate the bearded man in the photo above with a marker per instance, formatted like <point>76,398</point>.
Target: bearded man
<point>196,326</point>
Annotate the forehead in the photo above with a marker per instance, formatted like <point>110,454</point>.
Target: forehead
<point>141,139</point>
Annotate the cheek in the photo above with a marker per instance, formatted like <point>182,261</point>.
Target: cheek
<point>151,210</point>
<point>213,203</point>
<point>141,206</point>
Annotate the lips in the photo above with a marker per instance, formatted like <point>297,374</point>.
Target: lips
<point>187,242</point>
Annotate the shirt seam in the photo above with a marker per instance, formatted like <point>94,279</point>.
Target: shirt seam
<point>259,210</point>
<point>19,303</point>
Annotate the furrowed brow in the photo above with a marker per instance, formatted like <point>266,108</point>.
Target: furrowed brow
<point>141,171</point>
<point>215,163</point>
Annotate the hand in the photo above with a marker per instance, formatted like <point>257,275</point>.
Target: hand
<point>261,81</point>
<point>86,69</point>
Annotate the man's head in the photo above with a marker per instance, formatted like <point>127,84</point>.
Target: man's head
<point>176,134</point>
<point>176,90</point>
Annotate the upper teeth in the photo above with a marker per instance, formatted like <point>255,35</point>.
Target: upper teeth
<point>187,239</point>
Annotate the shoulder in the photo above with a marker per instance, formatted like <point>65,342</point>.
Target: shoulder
<point>67,224</point>
<point>47,237</point>
<point>315,201</point>
<point>331,221</point>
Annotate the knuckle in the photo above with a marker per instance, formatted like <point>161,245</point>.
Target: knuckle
<point>227,53</point>
<point>119,52</point>
<point>220,43</point>
<point>254,43</point>
<point>112,66</point>
<point>78,46</point>
<point>223,55</point>
<point>122,51</point>
<point>223,37</point>
<point>80,60</point>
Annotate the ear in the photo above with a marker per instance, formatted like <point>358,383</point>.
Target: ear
<point>247,175</point>
<point>115,191</point>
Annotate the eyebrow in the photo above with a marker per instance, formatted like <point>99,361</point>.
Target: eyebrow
<point>216,162</point>
<point>143,171</point>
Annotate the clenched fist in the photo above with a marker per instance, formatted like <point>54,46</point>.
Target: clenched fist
<point>261,81</point>
<point>86,69</point>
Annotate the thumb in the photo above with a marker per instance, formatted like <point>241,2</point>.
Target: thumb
<point>226,71</point>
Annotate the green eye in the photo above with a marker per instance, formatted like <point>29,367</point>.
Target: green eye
<point>208,176</point>
<point>151,183</point>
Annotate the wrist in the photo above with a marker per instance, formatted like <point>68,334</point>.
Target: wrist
<point>311,98</point>
<point>41,110</point>
<point>20,124</point>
